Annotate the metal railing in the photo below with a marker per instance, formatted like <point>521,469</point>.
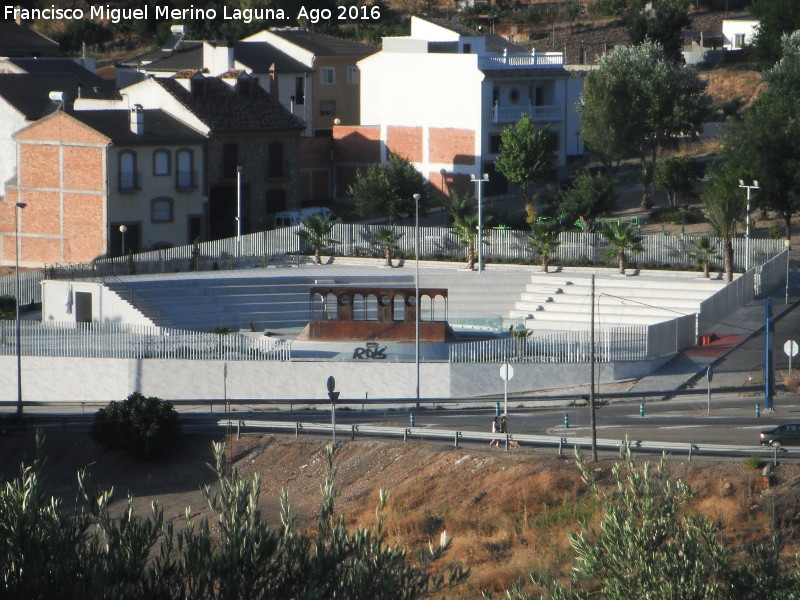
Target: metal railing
<point>114,340</point>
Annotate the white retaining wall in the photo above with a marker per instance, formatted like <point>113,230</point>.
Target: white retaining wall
<point>106,304</point>
<point>101,379</point>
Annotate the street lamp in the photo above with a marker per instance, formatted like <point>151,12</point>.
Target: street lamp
<point>416,289</point>
<point>122,230</point>
<point>18,207</point>
<point>333,395</point>
<point>749,188</point>
<point>480,182</point>
<point>787,243</point>
<point>238,211</point>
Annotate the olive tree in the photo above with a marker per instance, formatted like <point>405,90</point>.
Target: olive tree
<point>526,154</point>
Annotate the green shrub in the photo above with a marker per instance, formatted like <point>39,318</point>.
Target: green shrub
<point>144,427</point>
<point>752,462</point>
<point>8,307</point>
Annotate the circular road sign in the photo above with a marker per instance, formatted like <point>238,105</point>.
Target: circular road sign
<point>506,372</point>
<point>791,348</point>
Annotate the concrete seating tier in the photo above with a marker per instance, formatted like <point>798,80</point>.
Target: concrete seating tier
<point>560,301</point>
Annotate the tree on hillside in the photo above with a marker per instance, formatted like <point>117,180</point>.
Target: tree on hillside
<point>651,544</point>
<point>624,241</point>
<point>317,233</point>
<point>50,552</point>
<point>776,18</point>
<point>677,175</point>
<point>725,206</point>
<point>526,154</point>
<point>763,145</point>
<point>589,199</point>
<point>386,190</point>
<point>638,102</point>
<point>660,21</point>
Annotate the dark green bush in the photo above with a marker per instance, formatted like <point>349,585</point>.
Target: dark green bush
<point>8,307</point>
<point>144,427</point>
<point>676,217</point>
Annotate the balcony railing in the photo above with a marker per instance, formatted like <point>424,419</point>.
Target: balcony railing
<point>185,180</point>
<point>512,114</point>
<point>128,181</point>
<point>521,61</point>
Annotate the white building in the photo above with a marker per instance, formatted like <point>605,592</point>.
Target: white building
<point>738,32</point>
<point>442,96</point>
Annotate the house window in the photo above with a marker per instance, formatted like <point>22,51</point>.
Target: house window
<point>161,210</point>
<point>184,174</point>
<point>738,40</point>
<point>127,170</point>
<point>275,160</point>
<point>553,143</point>
<point>495,139</point>
<point>327,76</point>
<point>353,75</point>
<point>299,91</point>
<point>327,108</point>
<point>230,160</point>
<point>161,162</point>
<point>467,48</point>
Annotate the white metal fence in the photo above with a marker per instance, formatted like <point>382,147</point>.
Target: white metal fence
<point>272,247</point>
<point>611,345</point>
<point>113,340</point>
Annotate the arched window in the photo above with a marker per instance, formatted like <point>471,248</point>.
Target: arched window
<point>184,174</point>
<point>275,160</point>
<point>162,162</point>
<point>230,160</point>
<point>128,179</point>
<point>162,210</point>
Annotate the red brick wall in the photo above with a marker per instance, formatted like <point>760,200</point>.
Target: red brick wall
<point>39,166</point>
<point>60,127</point>
<point>40,250</point>
<point>405,142</point>
<point>42,215</point>
<point>84,227</point>
<point>451,146</point>
<point>83,168</point>
<point>356,144</point>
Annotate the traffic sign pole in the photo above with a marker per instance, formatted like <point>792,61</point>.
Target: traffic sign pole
<point>791,348</point>
<point>506,373</point>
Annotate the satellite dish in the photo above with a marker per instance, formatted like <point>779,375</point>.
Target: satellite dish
<point>331,383</point>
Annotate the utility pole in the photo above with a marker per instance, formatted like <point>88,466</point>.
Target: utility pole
<point>591,380</point>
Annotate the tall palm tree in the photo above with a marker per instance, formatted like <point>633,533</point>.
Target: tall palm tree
<point>725,207</point>
<point>704,252</point>
<point>460,204</point>
<point>624,241</point>
<point>466,229</point>
<point>544,240</point>
<point>387,238</point>
<point>316,233</point>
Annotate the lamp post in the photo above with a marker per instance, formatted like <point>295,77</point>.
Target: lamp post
<point>749,188</point>
<point>122,230</point>
<point>787,243</point>
<point>416,289</point>
<point>480,182</point>
<point>238,211</point>
<point>18,339</point>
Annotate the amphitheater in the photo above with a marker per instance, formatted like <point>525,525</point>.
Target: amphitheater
<point>152,333</point>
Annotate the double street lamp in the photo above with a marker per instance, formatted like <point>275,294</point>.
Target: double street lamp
<point>17,208</point>
<point>417,304</point>
<point>749,188</point>
<point>480,181</point>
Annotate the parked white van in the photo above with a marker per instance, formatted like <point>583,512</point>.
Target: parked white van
<point>288,218</point>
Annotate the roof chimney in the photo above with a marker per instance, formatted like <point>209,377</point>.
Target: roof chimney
<point>137,119</point>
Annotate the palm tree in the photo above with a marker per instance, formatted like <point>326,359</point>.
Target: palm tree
<point>725,207</point>
<point>460,204</point>
<point>387,238</point>
<point>316,233</point>
<point>544,240</point>
<point>704,252</point>
<point>623,240</point>
<point>467,231</point>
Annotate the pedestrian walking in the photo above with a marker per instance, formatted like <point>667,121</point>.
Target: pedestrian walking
<point>495,429</point>
<point>503,425</point>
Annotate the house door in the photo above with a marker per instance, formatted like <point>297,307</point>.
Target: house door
<point>83,307</point>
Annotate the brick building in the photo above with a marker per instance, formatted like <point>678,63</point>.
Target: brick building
<point>84,174</point>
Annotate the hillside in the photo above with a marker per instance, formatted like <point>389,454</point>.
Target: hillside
<point>509,513</point>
